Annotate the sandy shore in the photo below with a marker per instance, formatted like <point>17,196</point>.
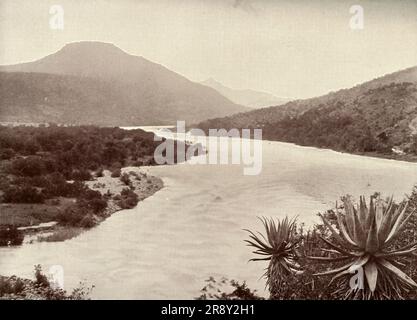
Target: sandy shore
<point>143,184</point>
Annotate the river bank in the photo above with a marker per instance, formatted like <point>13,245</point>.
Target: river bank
<point>193,228</point>
<point>139,181</point>
<point>57,181</point>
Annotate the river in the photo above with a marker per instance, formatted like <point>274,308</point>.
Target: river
<point>192,229</point>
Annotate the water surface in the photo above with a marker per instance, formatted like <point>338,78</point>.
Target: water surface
<point>192,228</point>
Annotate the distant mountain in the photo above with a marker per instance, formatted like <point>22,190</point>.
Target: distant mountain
<point>250,98</point>
<point>108,86</point>
<point>378,117</point>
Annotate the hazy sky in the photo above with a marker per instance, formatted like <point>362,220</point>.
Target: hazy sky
<point>290,48</point>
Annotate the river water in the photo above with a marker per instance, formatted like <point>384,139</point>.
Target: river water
<point>192,229</point>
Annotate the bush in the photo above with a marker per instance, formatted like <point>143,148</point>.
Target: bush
<point>81,213</point>
<point>76,189</point>
<point>100,173</point>
<point>227,290</point>
<point>91,194</point>
<point>5,287</point>
<point>81,175</point>
<point>7,154</point>
<point>10,235</point>
<point>116,173</point>
<point>40,288</point>
<point>73,215</point>
<point>92,200</point>
<point>29,167</point>
<point>25,194</point>
<point>40,279</point>
<point>87,222</point>
<point>128,199</point>
<point>55,185</point>
<point>117,197</point>
<point>60,234</point>
<point>97,205</point>
<point>18,286</point>
<point>137,163</point>
<point>11,285</point>
<point>125,179</point>
<point>380,238</point>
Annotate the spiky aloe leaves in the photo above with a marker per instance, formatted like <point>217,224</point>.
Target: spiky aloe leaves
<point>364,236</point>
<point>371,273</point>
<point>372,243</point>
<point>278,245</point>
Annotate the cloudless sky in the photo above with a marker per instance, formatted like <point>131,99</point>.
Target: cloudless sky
<point>294,48</point>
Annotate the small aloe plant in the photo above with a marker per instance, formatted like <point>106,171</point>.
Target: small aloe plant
<point>279,248</point>
<point>366,240</point>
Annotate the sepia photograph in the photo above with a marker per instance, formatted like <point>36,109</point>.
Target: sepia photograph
<point>193,150</point>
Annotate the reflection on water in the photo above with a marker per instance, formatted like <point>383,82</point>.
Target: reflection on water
<point>192,228</point>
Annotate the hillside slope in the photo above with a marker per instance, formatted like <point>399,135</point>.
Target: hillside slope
<point>146,92</point>
<point>250,98</point>
<point>373,117</point>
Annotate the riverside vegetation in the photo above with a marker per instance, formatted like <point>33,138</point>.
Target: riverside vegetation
<point>360,252</point>
<point>41,288</point>
<point>49,173</point>
<point>375,118</point>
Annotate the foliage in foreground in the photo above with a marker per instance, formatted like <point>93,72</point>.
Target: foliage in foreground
<point>379,239</point>
<point>366,239</point>
<point>279,248</point>
<point>10,235</point>
<point>38,289</point>
<point>225,289</point>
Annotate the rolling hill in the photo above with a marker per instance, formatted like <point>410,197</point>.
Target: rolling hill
<point>250,98</point>
<point>98,83</point>
<point>379,116</point>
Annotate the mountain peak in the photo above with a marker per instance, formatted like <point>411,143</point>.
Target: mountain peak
<point>96,82</point>
<point>91,47</point>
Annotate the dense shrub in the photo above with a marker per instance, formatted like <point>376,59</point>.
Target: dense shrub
<point>47,157</point>
<point>40,278</point>
<point>125,179</point>
<point>11,286</point>
<point>100,172</point>
<point>10,235</point>
<point>227,290</point>
<point>29,167</point>
<point>371,120</point>
<point>40,288</point>
<point>81,213</point>
<point>87,222</point>
<point>89,194</point>
<point>81,175</point>
<point>60,234</point>
<point>97,205</point>
<point>55,185</point>
<point>7,154</point>
<point>73,215</point>
<point>24,194</point>
<point>116,173</point>
<point>381,240</point>
<point>128,199</point>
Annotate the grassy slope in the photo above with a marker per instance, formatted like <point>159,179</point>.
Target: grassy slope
<point>370,118</point>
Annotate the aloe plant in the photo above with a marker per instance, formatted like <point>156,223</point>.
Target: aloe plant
<point>279,248</point>
<point>365,238</point>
